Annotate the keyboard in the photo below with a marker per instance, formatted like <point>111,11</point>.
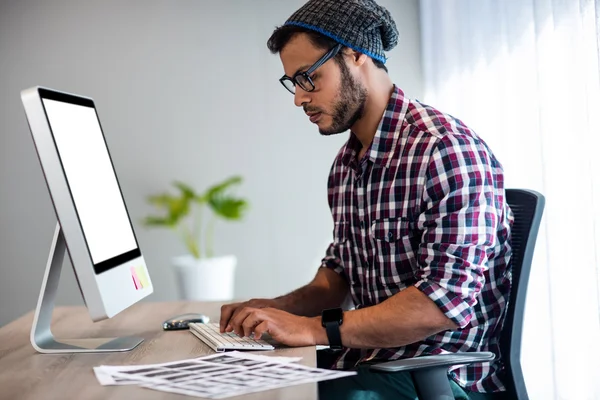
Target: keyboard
<point>209,333</point>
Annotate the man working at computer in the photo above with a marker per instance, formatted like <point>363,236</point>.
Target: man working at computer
<point>421,225</point>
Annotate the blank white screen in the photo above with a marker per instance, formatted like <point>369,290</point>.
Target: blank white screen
<point>92,179</point>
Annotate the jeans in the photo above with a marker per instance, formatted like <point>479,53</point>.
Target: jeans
<point>378,385</point>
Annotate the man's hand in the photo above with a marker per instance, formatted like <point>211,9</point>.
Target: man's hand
<point>286,328</point>
<point>228,311</point>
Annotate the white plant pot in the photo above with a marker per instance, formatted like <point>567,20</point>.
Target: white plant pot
<point>208,279</point>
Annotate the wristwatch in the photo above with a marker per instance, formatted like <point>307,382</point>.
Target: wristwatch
<point>331,319</point>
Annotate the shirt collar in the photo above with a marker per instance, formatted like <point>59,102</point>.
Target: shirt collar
<point>386,138</point>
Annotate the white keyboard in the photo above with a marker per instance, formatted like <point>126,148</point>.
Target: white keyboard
<point>209,333</point>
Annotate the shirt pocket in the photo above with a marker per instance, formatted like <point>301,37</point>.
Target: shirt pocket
<point>390,230</point>
<point>395,245</point>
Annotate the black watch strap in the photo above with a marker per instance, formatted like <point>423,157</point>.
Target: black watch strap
<point>333,335</point>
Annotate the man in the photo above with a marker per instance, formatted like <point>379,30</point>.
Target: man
<point>421,225</point>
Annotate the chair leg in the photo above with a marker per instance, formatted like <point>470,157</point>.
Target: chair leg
<point>432,384</point>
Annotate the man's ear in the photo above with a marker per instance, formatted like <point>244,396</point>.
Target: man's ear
<point>358,58</point>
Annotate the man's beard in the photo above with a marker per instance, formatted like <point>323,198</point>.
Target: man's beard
<point>350,104</point>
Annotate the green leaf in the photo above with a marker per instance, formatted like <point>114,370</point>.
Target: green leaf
<point>220,188</point>
<point>175,208</point>
<point>186,191</point>
<point>230,208</point>
<point>225,205</point>
<point>161,200</point>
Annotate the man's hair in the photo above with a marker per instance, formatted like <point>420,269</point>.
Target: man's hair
<point>282,35</point>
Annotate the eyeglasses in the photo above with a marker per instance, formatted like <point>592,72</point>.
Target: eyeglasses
<point>303,79</point>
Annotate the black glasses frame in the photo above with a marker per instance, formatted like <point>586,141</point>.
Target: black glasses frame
<point>306,74</point>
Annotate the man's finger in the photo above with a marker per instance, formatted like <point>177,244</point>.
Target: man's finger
<point>238,319</point>
<point>252,320</point>
<point>226,314</point>
<point>261,329</point>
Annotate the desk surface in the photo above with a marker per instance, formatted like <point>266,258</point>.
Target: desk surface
<point>26,374</point>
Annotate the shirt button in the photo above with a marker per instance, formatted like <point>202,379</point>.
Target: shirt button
<point>362,224</point>
<point>390,235</point>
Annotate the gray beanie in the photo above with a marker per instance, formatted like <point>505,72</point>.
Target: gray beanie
<point>362,25</point>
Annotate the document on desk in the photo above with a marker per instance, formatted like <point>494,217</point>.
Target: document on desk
<point>217,376</point>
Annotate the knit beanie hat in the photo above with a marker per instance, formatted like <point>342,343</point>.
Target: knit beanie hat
<point>362,25</point>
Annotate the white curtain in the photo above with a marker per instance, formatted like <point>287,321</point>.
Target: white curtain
<point>525,75</point>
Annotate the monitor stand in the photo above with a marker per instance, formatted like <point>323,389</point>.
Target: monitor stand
<point>41,335</point>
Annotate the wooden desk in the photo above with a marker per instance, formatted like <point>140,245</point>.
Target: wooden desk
<point>27,374</point>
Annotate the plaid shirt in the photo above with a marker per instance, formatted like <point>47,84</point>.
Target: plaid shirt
<point>425,207</point>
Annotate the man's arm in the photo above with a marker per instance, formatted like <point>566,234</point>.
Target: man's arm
<point>327,290</point>
<point>406,317</point>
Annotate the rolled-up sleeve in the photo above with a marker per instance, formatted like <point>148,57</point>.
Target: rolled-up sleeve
<point>332,259</point>
<point>459,222</point>
<point>333,254</point>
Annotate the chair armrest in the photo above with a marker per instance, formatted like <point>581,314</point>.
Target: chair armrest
<point>435,361</point>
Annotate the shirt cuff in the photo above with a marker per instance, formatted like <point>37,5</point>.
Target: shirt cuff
<point>451,304</point>
<point>333,265</point>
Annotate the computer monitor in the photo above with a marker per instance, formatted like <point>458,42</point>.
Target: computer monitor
<point>93,227</point>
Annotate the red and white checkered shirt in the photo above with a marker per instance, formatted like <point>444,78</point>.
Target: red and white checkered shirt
<point>425,207</point>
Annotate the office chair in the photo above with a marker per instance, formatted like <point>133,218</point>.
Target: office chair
<point>430,373</point>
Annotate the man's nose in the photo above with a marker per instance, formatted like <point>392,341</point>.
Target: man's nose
<point>300,97</point>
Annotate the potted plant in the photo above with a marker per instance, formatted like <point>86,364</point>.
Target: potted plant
<point>200,274</point>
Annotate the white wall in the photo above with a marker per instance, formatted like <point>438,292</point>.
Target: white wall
<point>185,90</point>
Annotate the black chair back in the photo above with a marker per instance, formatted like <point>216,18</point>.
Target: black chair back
<point>527,207</point>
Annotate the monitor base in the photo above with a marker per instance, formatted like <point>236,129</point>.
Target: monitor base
<point>96,345</point>
<point>41,337</point>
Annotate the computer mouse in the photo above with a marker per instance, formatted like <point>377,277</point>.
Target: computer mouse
<point>182,321</point>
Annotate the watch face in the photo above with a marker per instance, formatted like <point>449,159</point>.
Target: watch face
<point>332,315</point>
